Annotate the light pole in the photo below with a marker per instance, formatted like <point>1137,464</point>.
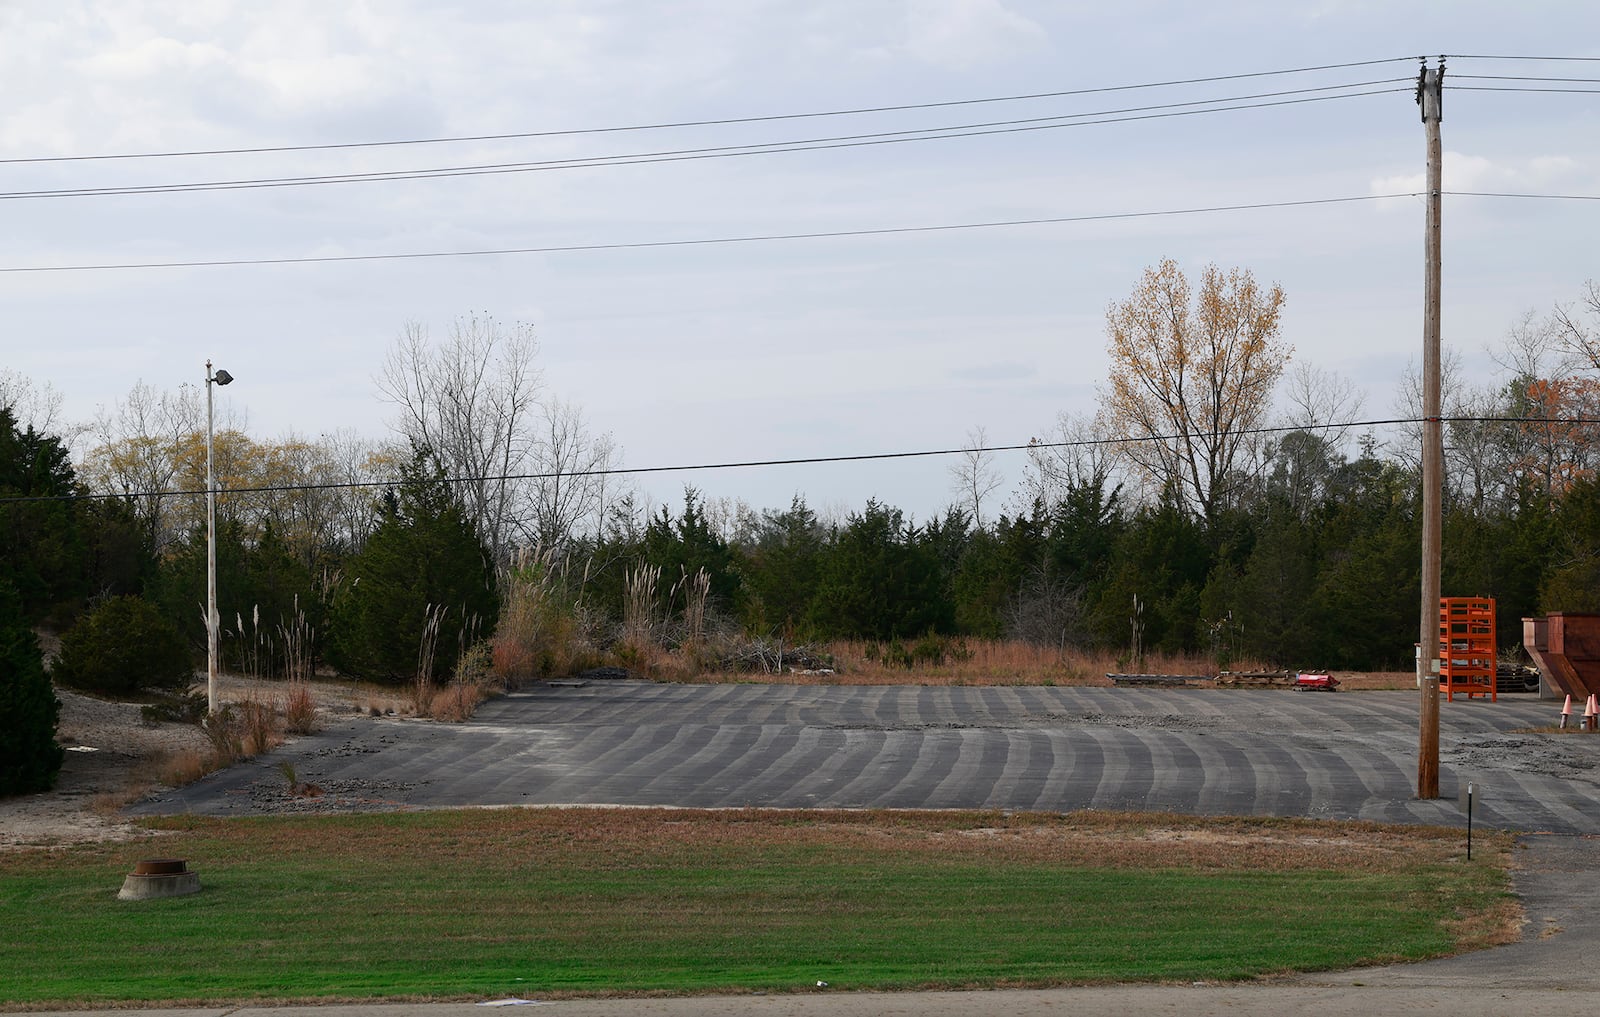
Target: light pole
<point>219,378</point>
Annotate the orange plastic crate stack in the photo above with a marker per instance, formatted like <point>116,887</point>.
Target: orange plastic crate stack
<point>1466,644</point>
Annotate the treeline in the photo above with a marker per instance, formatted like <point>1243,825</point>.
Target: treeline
<point>1187,516</point>
<point>1313,563</point>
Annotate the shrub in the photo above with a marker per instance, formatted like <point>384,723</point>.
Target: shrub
<point>543,628</point>
<point>123,645</point>
<point>241,730</point>
<point>30,757</point>
<point>176,707</point>
<point>473,682</point>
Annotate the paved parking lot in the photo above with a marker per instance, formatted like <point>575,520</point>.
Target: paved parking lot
<point>1220,752</point>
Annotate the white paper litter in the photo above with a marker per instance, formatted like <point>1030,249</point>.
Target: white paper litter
<point>512,1002</point>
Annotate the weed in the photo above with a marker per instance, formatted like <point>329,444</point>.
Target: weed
<point>297,787</point>
<point>241,730</point>
<point>299,708</point>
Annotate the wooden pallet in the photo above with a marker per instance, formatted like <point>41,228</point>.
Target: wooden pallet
<point>1257,679</point>
<point>1171,681</point>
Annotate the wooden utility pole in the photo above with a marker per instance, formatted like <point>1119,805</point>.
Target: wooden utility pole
<point>1429,89</point>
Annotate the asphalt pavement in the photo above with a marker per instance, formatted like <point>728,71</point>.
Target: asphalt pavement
<point>1345,755</point>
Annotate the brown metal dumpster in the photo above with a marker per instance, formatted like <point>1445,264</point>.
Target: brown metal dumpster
<point>1567,649</point>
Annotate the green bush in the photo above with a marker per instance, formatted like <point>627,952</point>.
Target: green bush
<point>123,645</point>
<point>30,758</point>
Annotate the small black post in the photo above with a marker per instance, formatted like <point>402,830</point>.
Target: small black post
<point>1469,822</point>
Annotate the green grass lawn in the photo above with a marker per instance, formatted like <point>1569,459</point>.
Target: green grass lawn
<point>538,902</point>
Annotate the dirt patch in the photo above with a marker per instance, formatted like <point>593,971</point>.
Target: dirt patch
<point>115,756</point>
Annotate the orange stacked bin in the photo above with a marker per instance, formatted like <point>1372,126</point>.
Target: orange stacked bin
<point>1466,647</point>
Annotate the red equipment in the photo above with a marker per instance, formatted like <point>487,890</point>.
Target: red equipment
<point>1316,683</point>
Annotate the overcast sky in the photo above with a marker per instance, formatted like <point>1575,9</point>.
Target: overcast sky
<point>795,348</point>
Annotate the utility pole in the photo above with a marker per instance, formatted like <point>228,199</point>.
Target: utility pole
<point>1429,96</point>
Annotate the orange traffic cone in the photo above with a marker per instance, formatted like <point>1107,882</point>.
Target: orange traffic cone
<point>1566,712</point>
<point>1588,714</point>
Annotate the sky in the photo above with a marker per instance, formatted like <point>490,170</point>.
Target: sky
<point>779,349</point>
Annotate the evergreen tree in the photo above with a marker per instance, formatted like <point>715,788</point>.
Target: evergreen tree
<point>1273,602</point>
<point>1162,557</point>
<point>424,558</point>
<point>684,546</point>
<point>42,550</point>
<point>261,585</point>
<point>1369,584</point>
<point>880,580</point>
<point>1572,582</point>
<point>30,757</point>
<point>123,645</point>
<point>780,570</point>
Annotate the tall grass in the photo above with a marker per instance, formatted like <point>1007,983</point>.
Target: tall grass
<point>260,650</point>
<point>696,590</point>
<point>544,629</point>
<point>427,650</point>
<point>639,606</point>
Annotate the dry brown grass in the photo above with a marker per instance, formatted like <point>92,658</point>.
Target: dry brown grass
<point>1091,839</point>
<point>240,730</point>
<point>299,708</point>
<point>1500,925</point>
<point>455,703</point>
<point>976,662</point>
<point>985,662</point>
<point>186,767</point>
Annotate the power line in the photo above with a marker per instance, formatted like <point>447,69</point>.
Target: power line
<point>691,155</point>
<point>708,241</point>
<point>1479,56</point>
<point>1518,77</point>
<point>1506,88</point>
<point>801,461</point>
<point>764,237</point>
<point>1511,194</point>
<point>727,121</point>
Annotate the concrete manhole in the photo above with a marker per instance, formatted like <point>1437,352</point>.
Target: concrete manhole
<point>159,877</point>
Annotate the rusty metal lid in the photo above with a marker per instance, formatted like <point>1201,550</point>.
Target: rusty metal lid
<point>159,867</point>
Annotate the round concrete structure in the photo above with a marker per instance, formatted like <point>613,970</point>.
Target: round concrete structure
<point>159,877</point>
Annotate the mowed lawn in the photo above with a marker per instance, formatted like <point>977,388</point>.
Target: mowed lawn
<point>541,903</point>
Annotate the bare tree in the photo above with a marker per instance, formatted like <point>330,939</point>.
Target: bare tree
<point>1321,401</point>
<point>1191,379</point>
<point>1553,361</point>
<point>1576,326</point>
<point>357,464</point>
<point>574,487</point>
<point>973,476</point>
<point>35,406</point>
<point>1077,452</point>
<point>472,402</point>
<point>146,444</point>
<point>1406,446</point>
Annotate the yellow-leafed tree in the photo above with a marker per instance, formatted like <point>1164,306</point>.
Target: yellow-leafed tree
<point>1191,376</point>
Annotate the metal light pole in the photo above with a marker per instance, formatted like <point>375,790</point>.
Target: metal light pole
<point>218,378</point>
